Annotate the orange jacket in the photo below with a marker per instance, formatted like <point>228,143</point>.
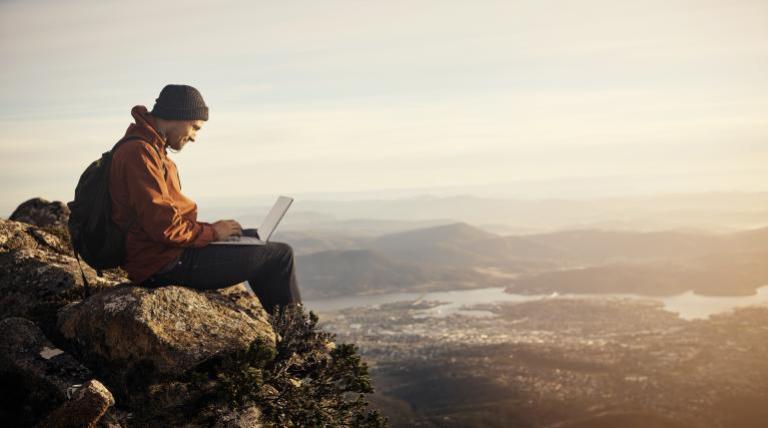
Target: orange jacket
<point>144,185</point>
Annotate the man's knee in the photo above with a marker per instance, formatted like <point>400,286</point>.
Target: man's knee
<point>282,248</point>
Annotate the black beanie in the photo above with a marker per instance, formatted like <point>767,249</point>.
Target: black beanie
<point>180,102</point>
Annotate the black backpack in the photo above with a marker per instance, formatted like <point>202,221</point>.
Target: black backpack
<point>95,237</point>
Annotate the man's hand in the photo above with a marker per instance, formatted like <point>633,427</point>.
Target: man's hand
<point>226,228</point>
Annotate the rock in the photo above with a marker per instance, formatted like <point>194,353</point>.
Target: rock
<point>25,349</point>
<point>141,343</point>
<point>87,405</point>
<point>20,236</point>
<point>40,212</point>
<point>39,275</point>
<point>135,332</point>
<point>34,374</point>
<point>249,417</point>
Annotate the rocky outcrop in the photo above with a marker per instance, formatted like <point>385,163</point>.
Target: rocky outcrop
<point>163,331</point>
<point>35,372</point>
<point>42,213</point>
<point>120,334</point>
<point>87,405</point>
<point>25,349</point>
<point>39,274</point>
<point>172,356</point>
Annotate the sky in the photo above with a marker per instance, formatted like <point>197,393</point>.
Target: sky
<point>380,98</point>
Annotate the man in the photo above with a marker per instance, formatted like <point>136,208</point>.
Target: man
<point>165,244</point>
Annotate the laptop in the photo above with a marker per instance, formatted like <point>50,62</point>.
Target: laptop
<point>268,225</point>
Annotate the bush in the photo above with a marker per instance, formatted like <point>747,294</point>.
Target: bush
<point>306,380</point>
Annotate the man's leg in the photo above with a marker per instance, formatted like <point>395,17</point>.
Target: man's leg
<point>276,284</point>
<point>269,269</point>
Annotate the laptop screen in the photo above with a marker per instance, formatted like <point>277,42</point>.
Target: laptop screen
<point>269,224</point>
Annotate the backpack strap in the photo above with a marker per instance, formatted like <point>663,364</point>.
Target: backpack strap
<point>86,286</point>
<point>125,140</point>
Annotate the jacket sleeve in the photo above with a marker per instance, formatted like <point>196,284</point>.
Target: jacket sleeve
<point>148,194</point>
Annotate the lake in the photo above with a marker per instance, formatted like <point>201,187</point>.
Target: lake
<point>687,305</point>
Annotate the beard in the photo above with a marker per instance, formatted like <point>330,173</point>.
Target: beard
<point>177,143</point>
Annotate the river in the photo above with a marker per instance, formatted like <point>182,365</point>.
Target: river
<point>687,305</point>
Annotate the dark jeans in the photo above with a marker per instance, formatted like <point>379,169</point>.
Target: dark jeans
<point>269,270</point>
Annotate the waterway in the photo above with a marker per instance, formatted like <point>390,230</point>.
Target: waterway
<point>687,305</point>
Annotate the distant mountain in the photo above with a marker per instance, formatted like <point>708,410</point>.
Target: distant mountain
<point>308,242</point>
<point>515,248</point>
<point>338,273</point>
<point>603,246</point>
<point>658,263</point>
<point>354,272</point>
<point>617,278</point>
<point>452,234</point>
<point>729,273</point>
<point>448,245</point>
<point>459,255</point>
<point>366,226</point>
<point>749,240</point>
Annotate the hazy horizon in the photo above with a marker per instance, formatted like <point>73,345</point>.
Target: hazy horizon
<point>376,213</point>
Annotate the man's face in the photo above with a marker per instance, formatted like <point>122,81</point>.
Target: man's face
<point>181,132</point>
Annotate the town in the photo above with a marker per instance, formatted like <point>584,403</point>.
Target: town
<point>561,361</point>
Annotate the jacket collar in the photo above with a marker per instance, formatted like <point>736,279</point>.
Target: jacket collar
<point>145,126</point>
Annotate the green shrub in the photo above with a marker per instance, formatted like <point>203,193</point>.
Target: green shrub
<point>306,380</point>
